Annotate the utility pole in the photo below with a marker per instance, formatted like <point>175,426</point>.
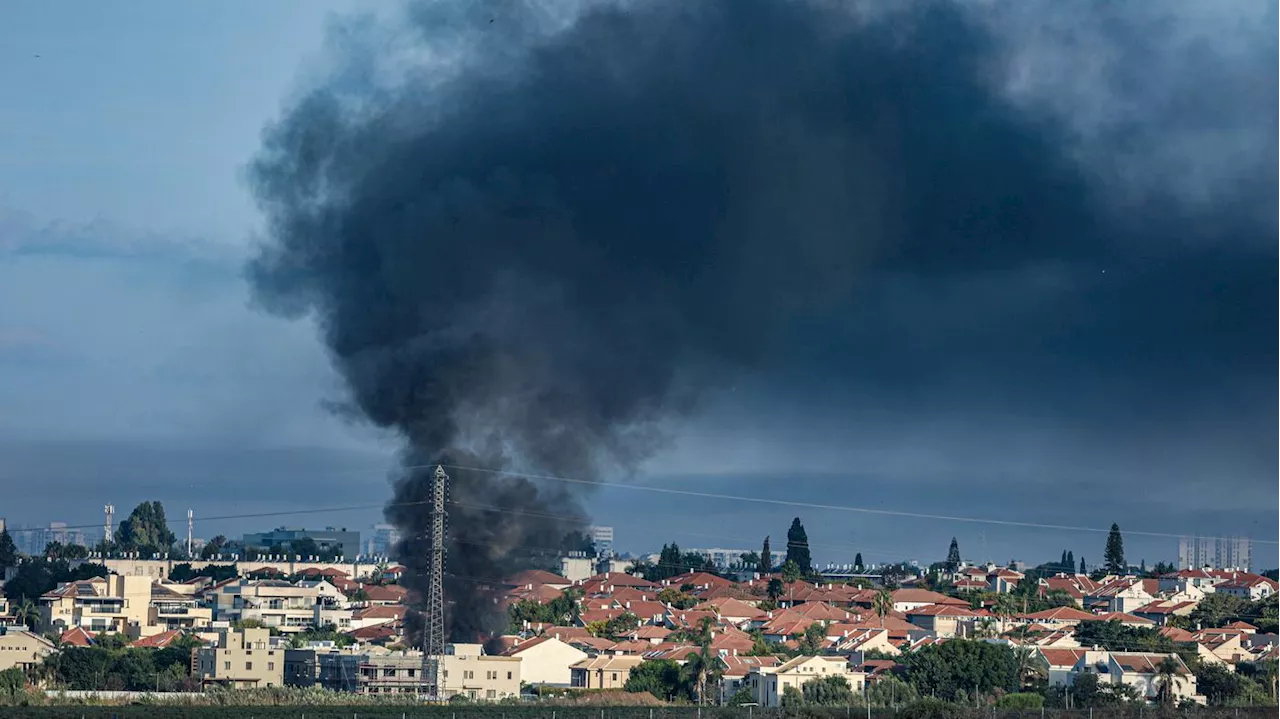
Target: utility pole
<point>191,526</point>
<point>433,620</point>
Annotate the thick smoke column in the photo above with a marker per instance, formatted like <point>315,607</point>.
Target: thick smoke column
<point>533,259</point>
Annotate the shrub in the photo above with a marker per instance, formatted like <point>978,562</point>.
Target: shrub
<point>1020,701</point>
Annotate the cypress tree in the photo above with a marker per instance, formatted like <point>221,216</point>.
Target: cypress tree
<point>1064,557</point>
<point>1071,561</point>
<point>798,547</point>
<point>857,561</point>
<point>1082,569</point>
<point>953,556</point>
<point>1113,558</point>
<point>766,558</point>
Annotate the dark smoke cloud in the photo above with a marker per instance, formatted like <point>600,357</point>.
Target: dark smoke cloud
<point>534,254</point>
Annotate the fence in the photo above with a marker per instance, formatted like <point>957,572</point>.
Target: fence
<point>152,711</point>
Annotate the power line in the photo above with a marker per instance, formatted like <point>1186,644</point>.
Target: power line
<point>817,505</point>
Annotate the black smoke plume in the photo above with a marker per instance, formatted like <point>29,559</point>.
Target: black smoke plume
<point>532,252</point>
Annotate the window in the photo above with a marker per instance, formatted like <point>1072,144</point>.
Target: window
<point>508,675</point>
<point>226,665</point>
<point>388,672</point>
<point>615,676</point>
<point>271,667</point>
<point>468,674</point>
<point>248,666</point>
<point>412,672</point>
<point>490,694</point>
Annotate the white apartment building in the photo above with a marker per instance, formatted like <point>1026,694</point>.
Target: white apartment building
<point>287,607</point>
<point>1216,552</point>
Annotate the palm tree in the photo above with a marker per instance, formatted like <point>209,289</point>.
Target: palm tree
<point>1006,606</point>
<point>27,613</point>
<point>882,605</point>
<point>704,666</point>
<point>1029,667</point>
<point>986,629</point>
<point>1269,671</point>
<point>775,589</point>
<point>1168,671</point>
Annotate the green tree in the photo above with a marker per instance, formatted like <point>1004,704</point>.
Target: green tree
<point>660,677</point>
<point>12,683</point>
<point>1071,562</point>
<point>35,576</point>
<point>857,561</point>
<point>145,530</point>
<point>27,614</point>
<point>943,670</point>
<point>1217,609</point>
<point>676,598</point>
<point>815,635</point>
<point>766,557</point>
<point>213,547</point>
<point>791,571</point>
<point>798,547</point>
<point>774,589</point>
<point>1113,558</point>
<point>703,667</point>
<point>827,691</point>
<point>953,556</point>
<point>749,561</point>
<point>882,605</point>
<point>1082,569</point>
<point>1168,673</point>
<point>8,550</point>
<point>792,697</point>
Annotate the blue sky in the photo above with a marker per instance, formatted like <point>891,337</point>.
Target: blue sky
<point>133,365</point>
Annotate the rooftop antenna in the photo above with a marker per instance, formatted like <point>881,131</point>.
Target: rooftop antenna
<point>433,624</point>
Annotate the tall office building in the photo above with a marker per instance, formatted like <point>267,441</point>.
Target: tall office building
<point>1216,552</point>
<point>603,539</point>
<point>382,540</point>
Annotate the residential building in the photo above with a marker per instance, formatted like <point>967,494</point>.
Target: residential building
<point>467,670</point>
<point>279,604</point>
<point>945,621</point>
<point>1059,663</point>
<point>768,684</point>
<point>723,558</point>
<point>33,540</point>
<point>913,598</point>
<point>382,541</point>
<point>329,539</point>
<point>22,649</point>
<point>546,660</point>
<point>242,659</point>
<point>392,673</point>
<point>577,566</point>
<point>606,671</point>
<point>171,609</point>
<point>114,603</point>
<point>1221,552</point>
<point>737,670</point>
<point>1125,594</point>
<point>1249,586</point>
<point>1140,670</point>
<point>602,537</point>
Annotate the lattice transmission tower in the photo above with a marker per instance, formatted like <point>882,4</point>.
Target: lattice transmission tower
<point>433,624</point>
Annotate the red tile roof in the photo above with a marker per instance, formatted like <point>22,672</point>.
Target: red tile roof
<point>1060,614</point>
<point>76,637</point>
<point>385,592</point>
<point>379,634</point>
<point>925,596</point>
<point>1122,618</point>
<point>536,577</point>
<point>158,641</point>
<point>1061,657</point>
